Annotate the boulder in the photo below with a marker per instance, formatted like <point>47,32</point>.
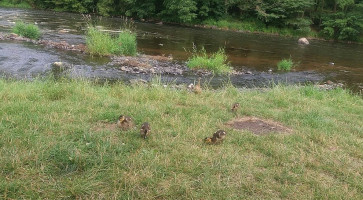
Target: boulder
<point>303,41</point>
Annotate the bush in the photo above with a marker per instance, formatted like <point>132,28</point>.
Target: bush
<point>215,62</point>
<point>27,30</point>
<point>102,44</point>
<point>285,64</point>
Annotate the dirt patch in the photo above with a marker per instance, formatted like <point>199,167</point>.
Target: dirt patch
<point>103,126</point>
<point>258,126</point>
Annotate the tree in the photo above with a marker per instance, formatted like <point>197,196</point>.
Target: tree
<point>179,11</point>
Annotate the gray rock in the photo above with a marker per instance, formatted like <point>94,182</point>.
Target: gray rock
<point>303,41</point>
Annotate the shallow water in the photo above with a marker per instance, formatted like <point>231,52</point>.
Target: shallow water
<point>253,52</point>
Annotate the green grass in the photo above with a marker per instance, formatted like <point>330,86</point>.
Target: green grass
<point>52,146</point>
<point>216,62</point>
<point>253,25</point>
<point>14,4</point>
<point>127,44</point>
<point>285,64</point>
<point>27,30</point>
<point>103,44</point>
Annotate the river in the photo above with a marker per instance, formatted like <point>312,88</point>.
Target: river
<point>318,62</point>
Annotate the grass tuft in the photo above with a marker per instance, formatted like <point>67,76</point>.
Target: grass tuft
<point>216,62</point>
<point>27,30</point>
<point>103,44</point>
<point>285,64</point>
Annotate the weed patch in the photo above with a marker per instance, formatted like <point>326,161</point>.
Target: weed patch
<point>27,30</point>
<point>103,44</point>
<point>216,62</point>
<point>285,64</point>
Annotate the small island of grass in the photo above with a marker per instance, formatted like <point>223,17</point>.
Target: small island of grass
<point>215,62</point>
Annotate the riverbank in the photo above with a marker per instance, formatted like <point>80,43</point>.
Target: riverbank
<point>58,140</point>
<point>229,23</point>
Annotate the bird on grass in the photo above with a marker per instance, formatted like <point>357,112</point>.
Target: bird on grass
<point>125,122</point>
<point>216,138</point>
<point>235,107</point>
<point>145,130</point>
<point>197,88</point>
<point>220,135</point>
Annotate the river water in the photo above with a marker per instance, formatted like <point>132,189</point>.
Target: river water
<point>318,62</point>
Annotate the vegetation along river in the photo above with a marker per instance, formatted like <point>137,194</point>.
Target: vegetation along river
<point>253,53</point>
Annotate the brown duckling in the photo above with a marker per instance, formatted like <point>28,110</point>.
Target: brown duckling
<point>125,122</point>
<point>219,135</point>
<point>235,107</point>
<point>145,130</point>
<point>197,88</point>
<point>216,138</point>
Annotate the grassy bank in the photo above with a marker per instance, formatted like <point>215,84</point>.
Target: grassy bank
<point>14,4</point>
<point>256,26</point>
<point>53,143</point>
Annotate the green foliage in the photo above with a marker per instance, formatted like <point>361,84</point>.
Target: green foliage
<point>284,17</point>
<point>14,4</point>
<point>216,62</point>
<point>285,64</point>
<point>342,27</point>
<point>27,30</point>
<point>103,44</point>
<point>179,11</point>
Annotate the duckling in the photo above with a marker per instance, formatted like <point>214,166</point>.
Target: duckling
<point>210,140</point>
<point>235,107</point>
<point>219,135</point>
<point>145,130</point>
<point>125,122</point>
<point>197,89</point>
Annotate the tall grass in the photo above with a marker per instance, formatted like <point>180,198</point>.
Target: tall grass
<point>103,44</point>
<point>126,44</point>
<point>215,62</point>
<point>27,30</point>
<point>57,141</point>
<point>285,64</point>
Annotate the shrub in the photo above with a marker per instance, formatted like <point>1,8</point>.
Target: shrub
<point>27,30</point>
<point>102,44</point>
<point>285,64</point>
<point>215,62</point>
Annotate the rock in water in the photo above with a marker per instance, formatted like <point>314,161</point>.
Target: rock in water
<point>303,41</point>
